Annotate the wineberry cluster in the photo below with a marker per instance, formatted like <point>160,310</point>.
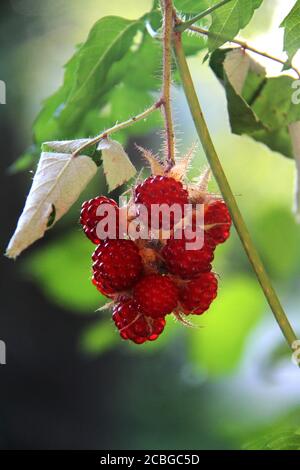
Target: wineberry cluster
<point>148,279</point>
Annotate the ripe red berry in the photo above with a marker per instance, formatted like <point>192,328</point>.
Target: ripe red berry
<point>102,285</point>
<point>156,295</point>
<point>89,218</point>
<point>117,265</point>
<point>217,222</point>
<point>133,325</point>
<point>161,190</point>
<point>196,295</point>
<point>184,262</point>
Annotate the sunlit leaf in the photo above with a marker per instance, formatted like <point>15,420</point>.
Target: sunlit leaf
<point>217,346</point>
<point>291,25</point>
<point>229,19</point>
<point>99,337</point>
<point>63,271</point>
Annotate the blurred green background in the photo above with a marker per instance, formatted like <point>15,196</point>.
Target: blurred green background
<point>70,382</point>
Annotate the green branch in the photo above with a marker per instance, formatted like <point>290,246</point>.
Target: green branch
<point>186,24</point>
<point>226,191</point>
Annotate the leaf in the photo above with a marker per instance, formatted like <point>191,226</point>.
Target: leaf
<point>279,440</point>
<point>291,25</point>
<point>271,226</point>
<point>117,167</point>
<point>99,338</point>
<point>229,19</point>
<point>62,269</point>
<point>216,348</point>
<point>98,65</point>
<point>191,6</point>
<point>58,181</point>
<point>264,108</point>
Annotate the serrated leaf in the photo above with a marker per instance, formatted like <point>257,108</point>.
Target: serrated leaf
<point>229,19</point>
<point>96,67</point>
<point>117,167</point>
<point>58,181</point>
<point>291,25</point>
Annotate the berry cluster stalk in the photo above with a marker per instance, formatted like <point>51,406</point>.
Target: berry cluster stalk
<point>167,79</point>
<point>226,191</point>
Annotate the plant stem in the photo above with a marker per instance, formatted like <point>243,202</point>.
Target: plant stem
<point>186,24</point>
<point>118,127</point>
<point>226,191</point>
<point>244,45</point>
<point>167,79</point>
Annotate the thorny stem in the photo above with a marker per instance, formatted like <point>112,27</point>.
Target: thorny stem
<point>226,191</point>
<point>167,6</point>
<point>244,45</point>
<point>186,24</point>
<point>118,127</point>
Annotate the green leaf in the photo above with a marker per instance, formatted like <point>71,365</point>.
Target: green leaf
<point>99,337</point>
<point>287,440</point>
<point>271,226</point>
<point>97,66</point>
<point>217,347</point>
<point>291,25</point>
<point>229,19</point>
<point>264,108</point>
<point>63,271</point>
<point>25,161</point>
<point>191,6</point>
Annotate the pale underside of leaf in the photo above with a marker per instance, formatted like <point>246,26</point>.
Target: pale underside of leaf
<point>117,167</point>
<point>236,66</point>
<point>57,184</point>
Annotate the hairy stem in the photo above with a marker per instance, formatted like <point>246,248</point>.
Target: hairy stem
<point>244,45</point>
<point>167,79</point>
<point>118,127</point>
<point>226,191</point>
<point>186,24</point>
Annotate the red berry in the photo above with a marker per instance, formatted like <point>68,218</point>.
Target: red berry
<point>102,285</point>
<point>161,190</point>
<point>133,325</point>
<point>156,295</point>
<point>89,218</point>
<point>197,295</point>
<point>117,265</point>
<point>187,263</point>
<point>217,222</point>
